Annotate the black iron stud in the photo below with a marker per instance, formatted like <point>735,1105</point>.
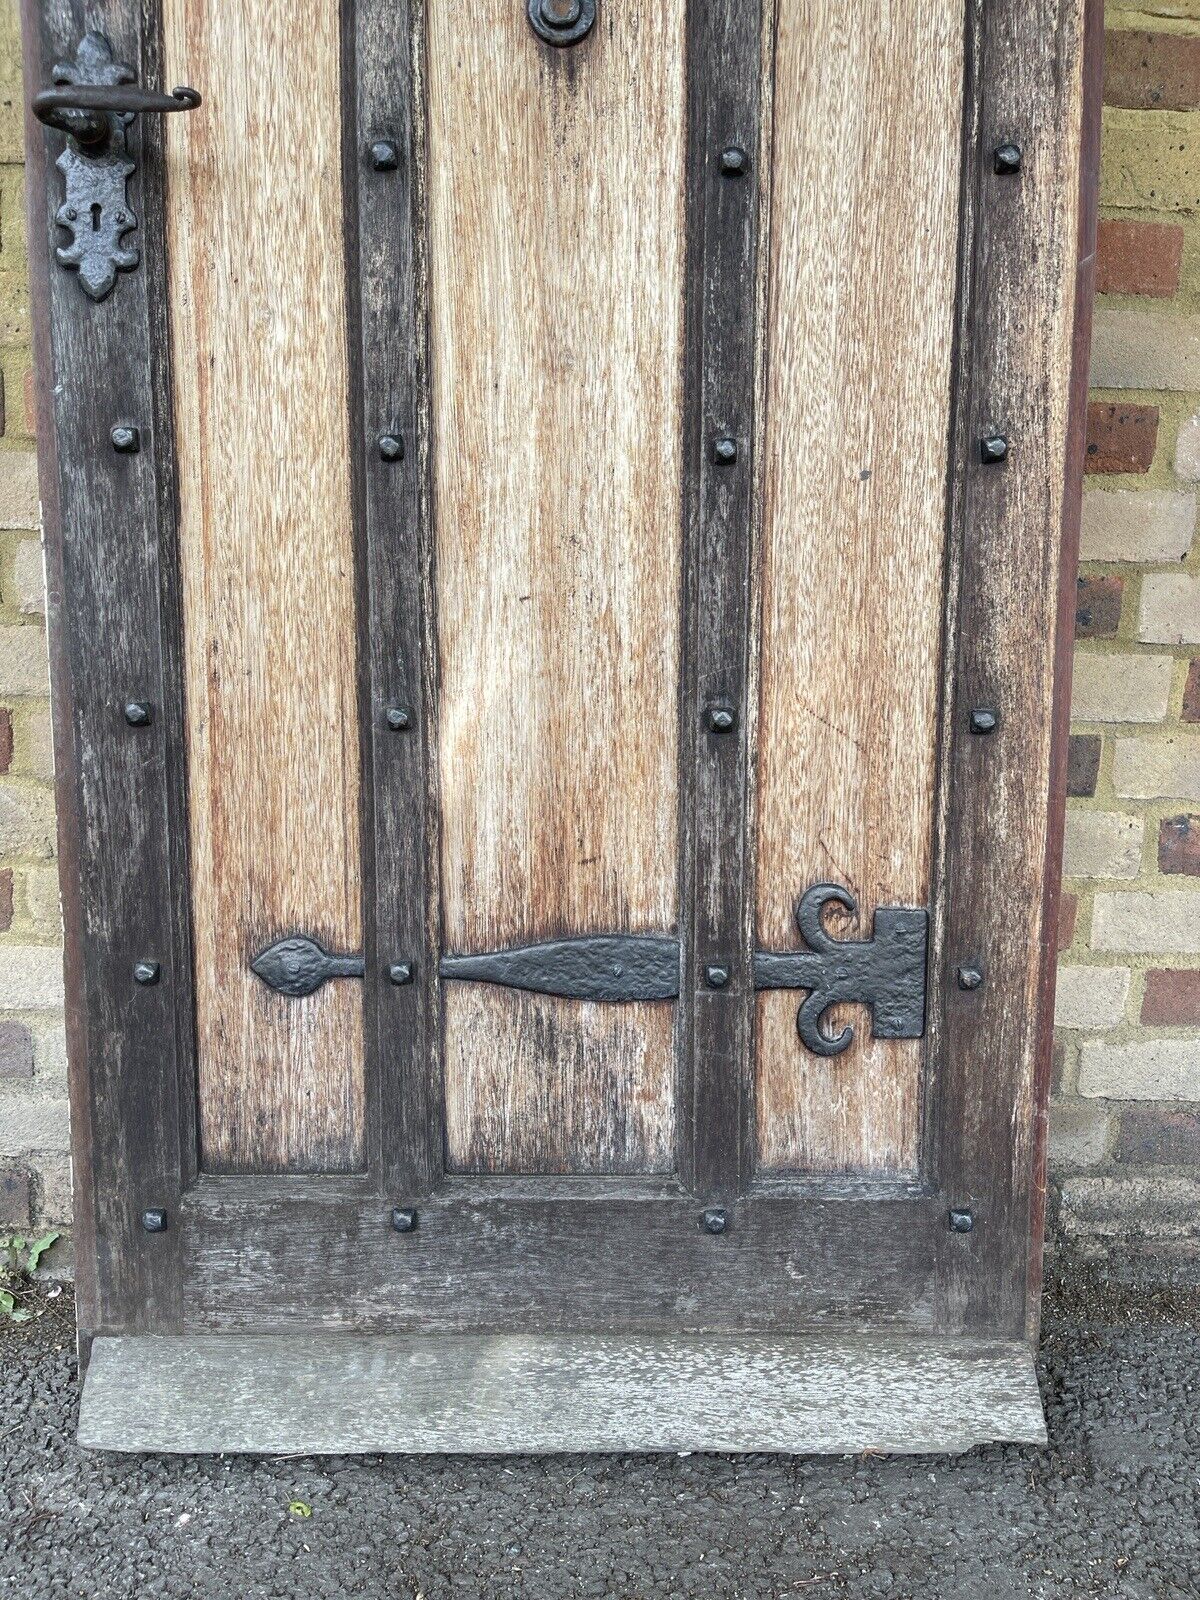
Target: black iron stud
<point>154,1221</point>
<point>961,1221</point>
<point>1006,159</point>
<point>391,447</point>
<point>984,719</point>
<point>724,451</point>
<point>735,163</point>
<point>404,1220</point>
<point>398,718</point>
<point>716,977</point>
<point>385,156</point>
<point>146,973</point>
<point>969,977</point>
<point>714,1220</point>
<point>400,973</point>
<point>126,440</point>
<point>139,713</point>
<point>561,22</point>
<point>721,719</point>
<point>993,449</point>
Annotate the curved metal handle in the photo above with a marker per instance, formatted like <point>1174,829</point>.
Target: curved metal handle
<point>83,110</point>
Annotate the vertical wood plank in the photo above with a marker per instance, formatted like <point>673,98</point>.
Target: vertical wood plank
<point>1016,379</point>
<point>112,612</point>
<point>388,304</point>
<point>556,231</point>
<point>860,326</point>
<point>258,310</point>
<point>723,98</point>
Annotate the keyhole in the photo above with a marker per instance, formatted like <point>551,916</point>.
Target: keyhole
<point>95,219</point>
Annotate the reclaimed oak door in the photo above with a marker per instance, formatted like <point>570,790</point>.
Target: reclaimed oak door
<point>555,524</point>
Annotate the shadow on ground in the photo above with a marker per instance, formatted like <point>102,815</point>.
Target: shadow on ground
<point>1110,1509</point>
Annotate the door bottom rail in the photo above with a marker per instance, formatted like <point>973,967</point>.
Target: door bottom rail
<point>885,972</point>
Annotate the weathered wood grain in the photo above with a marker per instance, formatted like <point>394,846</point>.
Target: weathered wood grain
<point>258,312</point>
<point>723,295</point>
<point>495,1255</point>
<point>563,1086</point>
<point>112,613</point>
<point>556,268</point>
<point>859,332</point>
<point>298,1395</point>
<point>1018,369</point>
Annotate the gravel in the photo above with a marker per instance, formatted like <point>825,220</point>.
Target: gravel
<point>1111,1508</point>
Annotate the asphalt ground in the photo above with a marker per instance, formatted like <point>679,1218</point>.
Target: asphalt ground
<point>1111,1508</point>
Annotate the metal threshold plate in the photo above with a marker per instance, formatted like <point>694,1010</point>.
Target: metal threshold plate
<point>341,1394</point>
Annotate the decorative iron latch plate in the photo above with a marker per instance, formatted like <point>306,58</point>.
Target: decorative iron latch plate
<point>885,972</point>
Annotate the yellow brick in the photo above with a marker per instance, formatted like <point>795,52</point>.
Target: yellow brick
<point>1151,160</point>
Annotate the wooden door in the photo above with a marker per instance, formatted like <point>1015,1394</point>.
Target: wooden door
<point>556,519</point>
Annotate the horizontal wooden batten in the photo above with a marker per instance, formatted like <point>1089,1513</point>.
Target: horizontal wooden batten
<point>553,1259</point>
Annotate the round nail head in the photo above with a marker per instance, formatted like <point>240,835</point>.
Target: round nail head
<point>400,973</point>
<point>961,1222</point>
<point>147,973</point>
<point>716,977</point>
<point>734,161</point>
<point>969,978</point>
<point>725,451</point>
<point>138,713</point>
<point>714,1220</point>
<point>126,440</point>
<point>1007,158</point>
<point>993,449</point>
<point>399,718</point>
<point>385,157</point>
<point>154,1221</point>
<point>983,720</point>
<point>722,719</point>
<point>404,1220</point>
<point>391,447</point>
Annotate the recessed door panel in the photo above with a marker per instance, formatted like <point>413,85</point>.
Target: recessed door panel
<point>266,547</point>
<point>857,351</point>
<point>556,274</point>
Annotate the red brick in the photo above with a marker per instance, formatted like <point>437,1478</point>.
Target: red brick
<point>1172,999</point>
<point>1191,694</point>
<point>1146,71</point>
<point>1098,606</point>
<point>1179,845</point>
<point>14,1198</point>
<point>1068,912</point>
<point>1139,258</point>
<point>16,1050</point>
<point>6,739</point>
<point>1083,764</point>
<point>1167,1136</point>
<point>1120,438</point>
<point>6,899</point>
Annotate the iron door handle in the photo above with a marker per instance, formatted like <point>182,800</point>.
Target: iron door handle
<point>84,110</point>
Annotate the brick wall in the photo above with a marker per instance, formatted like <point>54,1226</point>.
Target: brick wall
<point>1125,1122</point>
<point>34,1172</point>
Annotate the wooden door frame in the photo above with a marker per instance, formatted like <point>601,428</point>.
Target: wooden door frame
<point>110,528</point>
